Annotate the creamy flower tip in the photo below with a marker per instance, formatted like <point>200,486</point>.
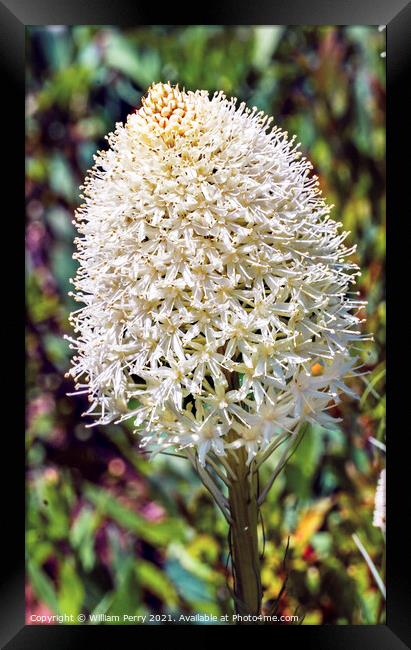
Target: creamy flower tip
<point>167,111</point>
<point>214,284</point>
<point>379,509</point>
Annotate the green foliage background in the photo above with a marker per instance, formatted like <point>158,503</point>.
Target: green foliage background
<point>107,531</point>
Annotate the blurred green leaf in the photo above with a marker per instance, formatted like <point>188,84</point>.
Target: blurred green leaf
<point>121,602</point>
<point>339,587</point>
<point>57,350</point>
<point>82,536</point>
<point>188,585</point>
<point>60,224</point>
<point>265,43</point>
<point>300,469</point>
<point>143,67</point>
<point>43,587</point>
<point>65,86</point>
<point>71,591</point>
<point>63,267</point>
<point>61,178</point>
<point>155,533</point>
<point>153,579</point>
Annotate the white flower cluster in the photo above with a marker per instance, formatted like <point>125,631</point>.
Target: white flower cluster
<point>215,284</point>
<point>379,508</point>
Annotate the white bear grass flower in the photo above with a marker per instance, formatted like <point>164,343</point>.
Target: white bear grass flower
<point>216,288</point>
<point>379,518</point>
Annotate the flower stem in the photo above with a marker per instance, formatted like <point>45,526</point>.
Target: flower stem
<point>244,540</point>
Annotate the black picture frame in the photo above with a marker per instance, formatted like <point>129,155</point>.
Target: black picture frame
<point>15,16</point>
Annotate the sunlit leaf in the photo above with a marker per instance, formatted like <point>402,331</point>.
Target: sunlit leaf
<point>311,521</point>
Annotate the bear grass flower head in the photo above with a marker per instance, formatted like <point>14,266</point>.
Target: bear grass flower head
<point>215,286</point>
